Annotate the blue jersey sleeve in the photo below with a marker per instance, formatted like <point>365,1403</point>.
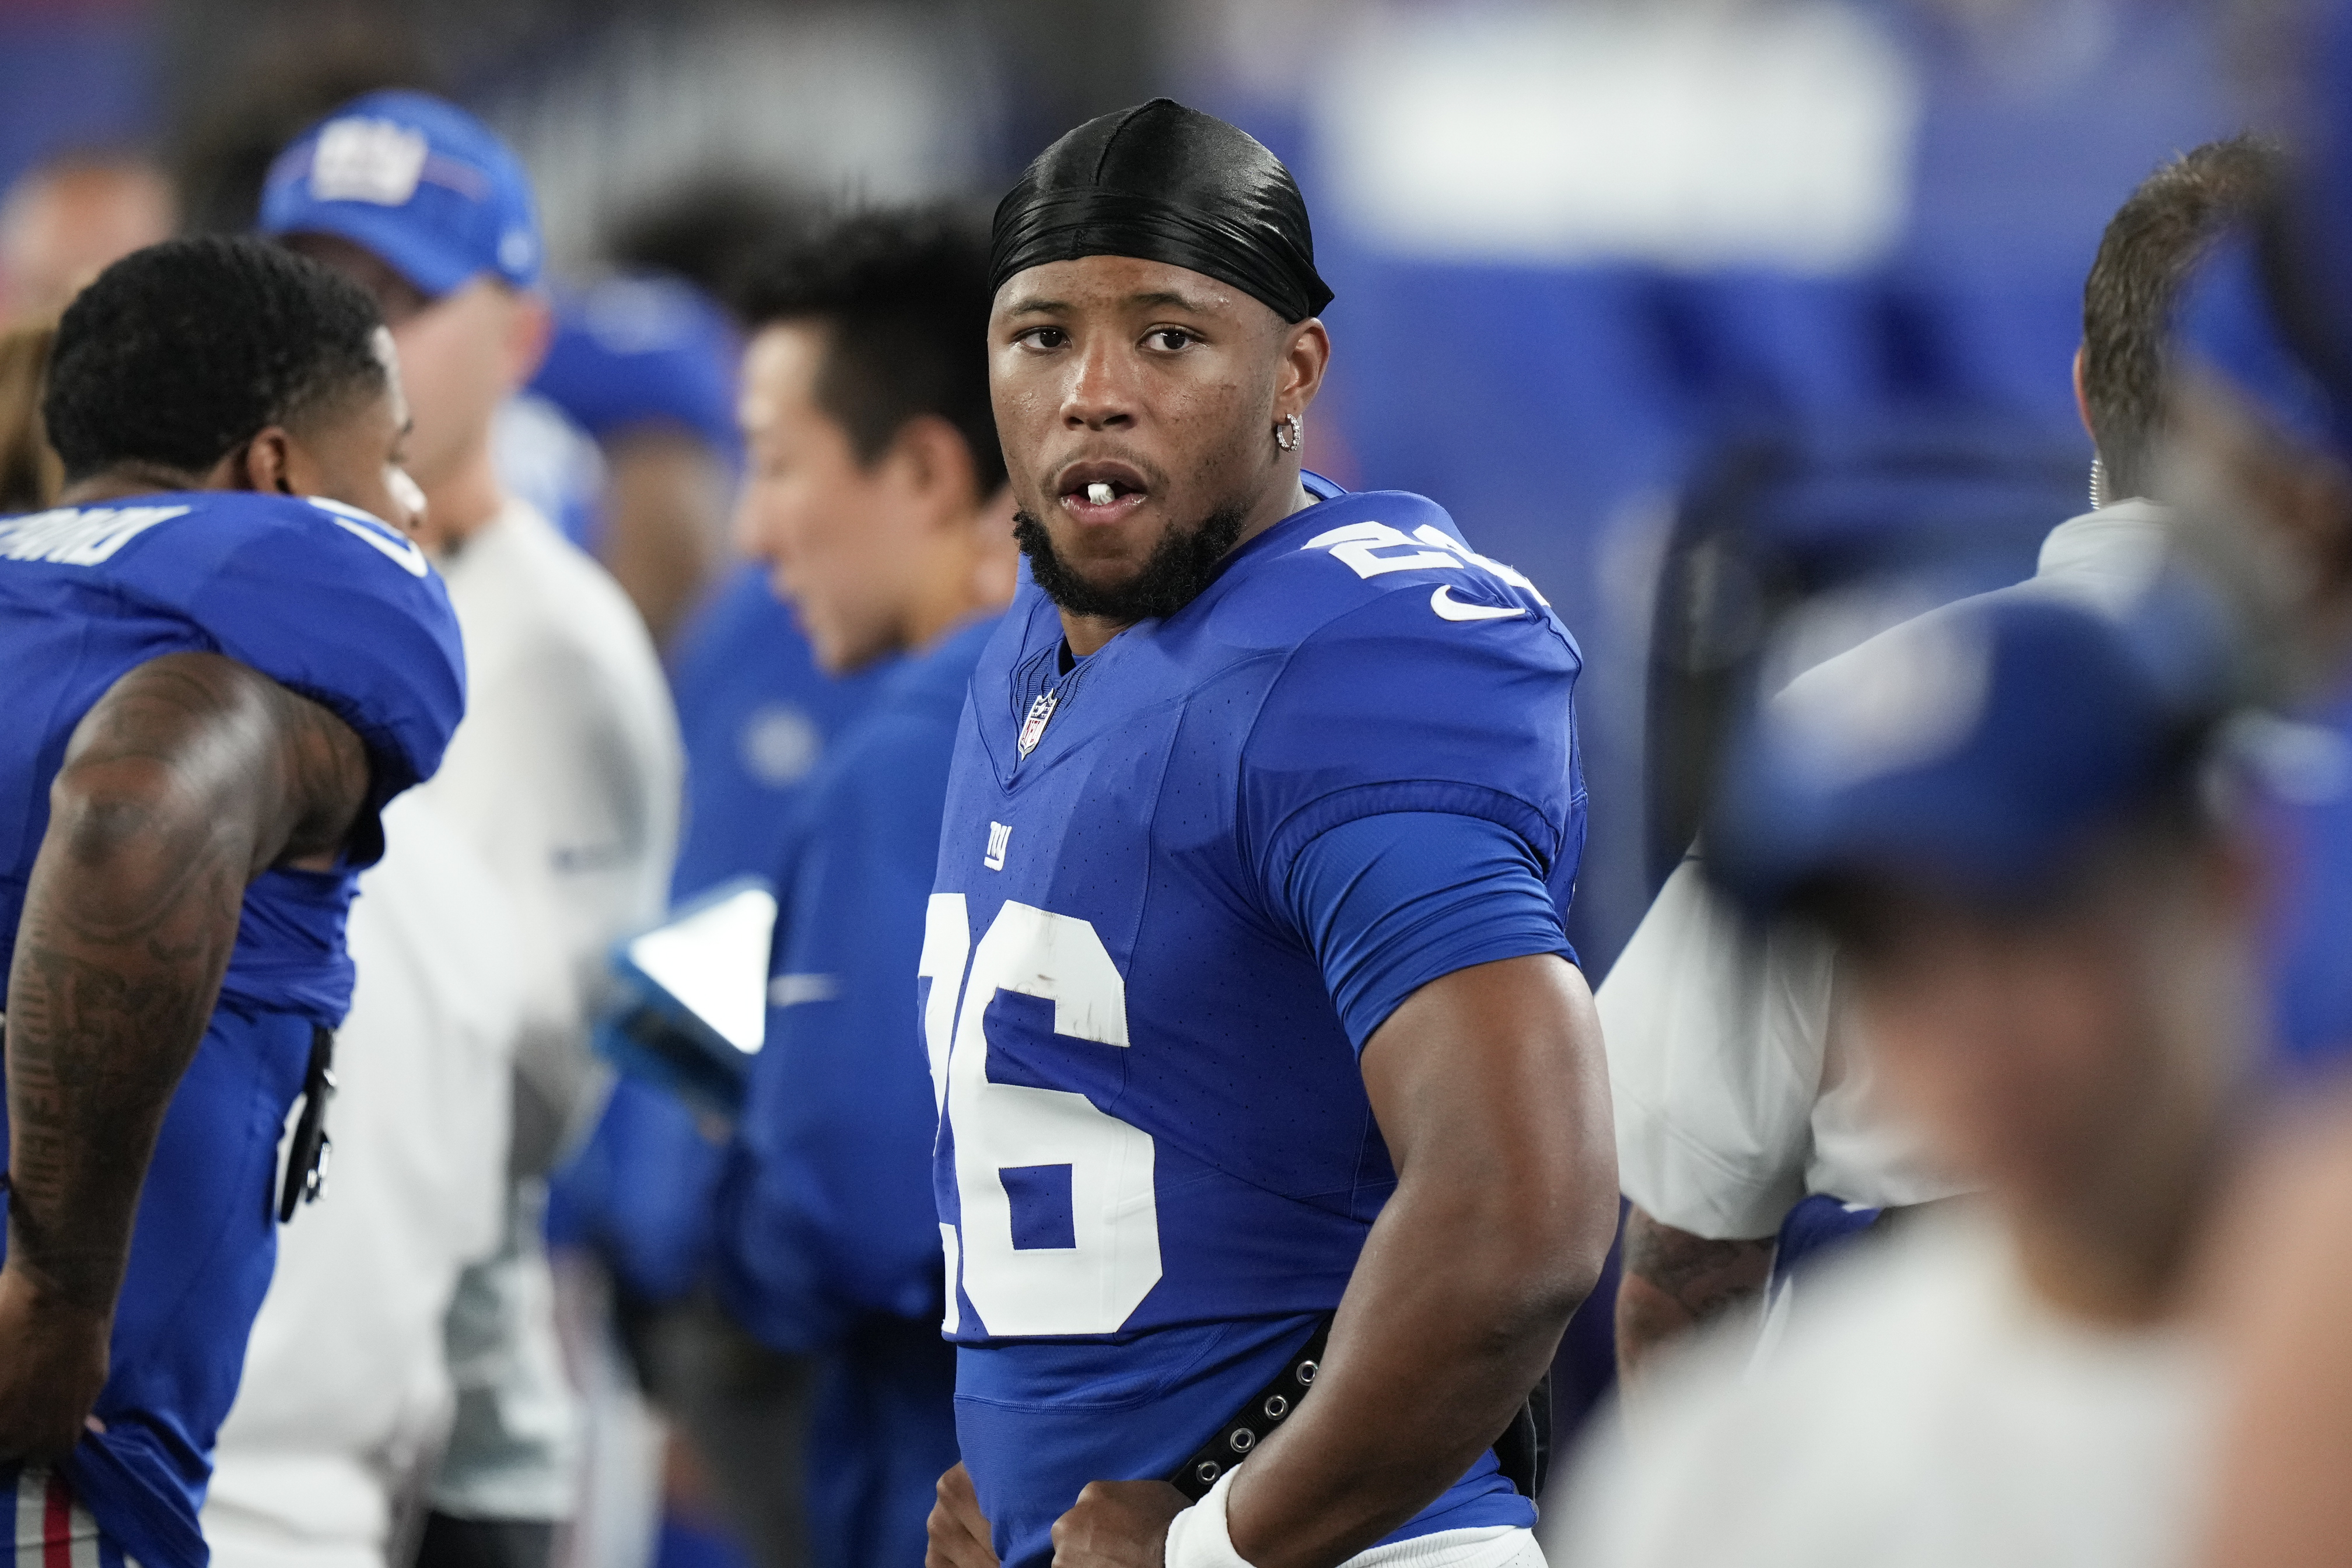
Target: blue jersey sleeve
<point>347,612</point>
<point>1390,903</point>
<point>827,1211</point>
<point>1392,706</point>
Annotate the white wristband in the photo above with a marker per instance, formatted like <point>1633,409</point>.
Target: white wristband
<point>1197,1538</point>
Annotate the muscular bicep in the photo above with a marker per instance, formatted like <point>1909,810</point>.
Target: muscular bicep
<point>193,750</point>
<point>1490,1080</point>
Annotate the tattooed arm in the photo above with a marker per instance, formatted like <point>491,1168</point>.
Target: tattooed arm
<point>190,777</point>
<point>1676,1282</point>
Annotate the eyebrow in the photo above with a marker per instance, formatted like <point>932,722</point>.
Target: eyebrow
<point>1037,304</point>
<point>1169,298</point>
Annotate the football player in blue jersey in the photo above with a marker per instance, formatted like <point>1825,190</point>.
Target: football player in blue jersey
<point>226,654</point>
<point>877,495</point>
<point>1249,1005</point>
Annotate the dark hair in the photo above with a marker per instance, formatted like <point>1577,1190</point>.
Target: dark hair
<point>181,352</point>
<point>2149,246</point>
<point>905,297</point>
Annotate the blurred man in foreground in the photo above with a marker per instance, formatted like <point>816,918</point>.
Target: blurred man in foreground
<point>214,685</point>
<point>1738,1092</point>
<point>876,496</point>
<point>565,775</point>
<point>2052,921</point>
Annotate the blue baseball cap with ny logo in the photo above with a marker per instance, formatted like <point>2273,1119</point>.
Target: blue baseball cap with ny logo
<point>417,181</point>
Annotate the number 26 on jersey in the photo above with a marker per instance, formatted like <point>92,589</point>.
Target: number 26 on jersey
<point>1086,1277</point>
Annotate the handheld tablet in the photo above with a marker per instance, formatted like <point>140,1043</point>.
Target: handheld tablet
<point>693,1005</point>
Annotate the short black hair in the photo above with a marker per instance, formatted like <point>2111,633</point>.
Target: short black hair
<point>904,298</point>
<point>2149,246</point>
<point>179,354</point>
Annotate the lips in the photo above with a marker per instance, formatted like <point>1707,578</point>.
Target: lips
<point>1101,492</point>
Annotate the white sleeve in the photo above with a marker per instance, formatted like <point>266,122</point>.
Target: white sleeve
<point>1715,1042</point>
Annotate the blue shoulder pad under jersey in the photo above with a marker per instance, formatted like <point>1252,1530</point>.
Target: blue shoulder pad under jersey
<point>634,352</point>
<point>1431,679</point>
<point>321,597</point>
<point>332,603</point>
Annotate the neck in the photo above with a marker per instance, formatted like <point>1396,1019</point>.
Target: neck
<point>120,484</point>
<point>2122,1258</point>
<point>466,501</point>
<point>1089,634</point>
<point>972,574</point>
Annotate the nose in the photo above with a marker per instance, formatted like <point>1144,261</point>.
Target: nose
<point>751,540</point>
<point>1101,394</point>
<point>408,500</point>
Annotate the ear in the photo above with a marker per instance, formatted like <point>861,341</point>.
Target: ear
<point>929,458</point>
<point>1305,357</point>
<point>530,327</point>
<point>268,463</point>
<point>2081,399</point>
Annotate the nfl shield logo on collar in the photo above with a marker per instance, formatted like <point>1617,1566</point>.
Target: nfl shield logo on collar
<point>1033,730</point>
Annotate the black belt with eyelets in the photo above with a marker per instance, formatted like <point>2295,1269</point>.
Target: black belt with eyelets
<point>1523,1452</point>
<point>1260,1415</point>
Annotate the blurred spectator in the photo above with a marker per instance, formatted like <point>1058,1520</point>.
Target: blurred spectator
<point>1741,1101</point>
<point>2050,923</point>
<point>346,1398</point>
<point>65,219</point>
<point>565,773</point>
<point>646,366</point>
<point>30,474</point>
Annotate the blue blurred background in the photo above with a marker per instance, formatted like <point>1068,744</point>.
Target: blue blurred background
<point>1579,246</point>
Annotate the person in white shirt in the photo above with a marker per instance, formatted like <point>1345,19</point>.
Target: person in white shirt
<point>2052,922</point>
<point>565,774</point>
<point>1738,1089</point>
<point>346,1396</point>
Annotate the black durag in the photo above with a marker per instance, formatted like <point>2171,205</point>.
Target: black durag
<point>1164,183</point>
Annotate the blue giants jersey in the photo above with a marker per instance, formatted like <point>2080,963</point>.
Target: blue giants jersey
<point>333,604</point>
<point>1157,1162</point>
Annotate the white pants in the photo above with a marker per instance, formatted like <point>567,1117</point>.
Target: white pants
<point>1494,1546</point>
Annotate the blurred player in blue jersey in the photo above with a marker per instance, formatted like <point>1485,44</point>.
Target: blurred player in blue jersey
<point>876,494</point>
<point>1248,1000</point>
<point>214,685</point>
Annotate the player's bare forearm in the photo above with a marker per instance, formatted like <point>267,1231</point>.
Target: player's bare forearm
<point>190,777</point>
<point>1676,1282</point>
<point>1490,1090</point>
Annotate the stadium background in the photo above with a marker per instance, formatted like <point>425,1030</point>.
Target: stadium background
<point>1583,249</point>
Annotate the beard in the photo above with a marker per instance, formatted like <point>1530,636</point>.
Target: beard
<point>1184,562</point>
